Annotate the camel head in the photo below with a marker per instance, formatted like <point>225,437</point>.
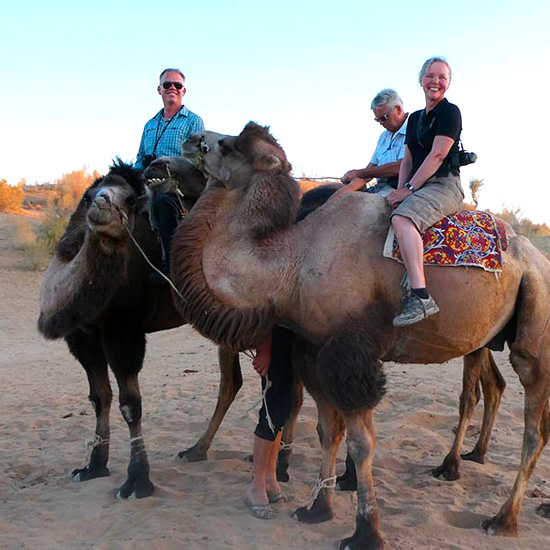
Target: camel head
<point>107,208</point>
<point>166,172</point>
<point>234,160</point>
<point>200,146</point>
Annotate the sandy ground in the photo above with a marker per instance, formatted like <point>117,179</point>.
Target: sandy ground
<point>45,420</point>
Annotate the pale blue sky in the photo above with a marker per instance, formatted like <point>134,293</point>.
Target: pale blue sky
<point>78,81</point>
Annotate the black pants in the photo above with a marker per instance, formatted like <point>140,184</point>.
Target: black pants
<point>167,214</point>
<point>281,375</point>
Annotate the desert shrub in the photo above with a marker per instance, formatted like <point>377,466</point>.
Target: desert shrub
<point>70,188</point>
<point>11,198</point>
<point>38,243</point>
<point>541,242</point>
<point>25,234</point>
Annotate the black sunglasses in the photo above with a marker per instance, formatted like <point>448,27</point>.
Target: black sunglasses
<point>384,118</point>
<point>167,85</point>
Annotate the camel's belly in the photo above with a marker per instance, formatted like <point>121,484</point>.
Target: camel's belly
<point>474,306</point>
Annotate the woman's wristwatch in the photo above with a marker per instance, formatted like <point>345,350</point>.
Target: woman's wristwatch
<point>408,185</point>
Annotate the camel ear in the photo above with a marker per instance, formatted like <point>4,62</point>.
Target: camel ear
<point>267,163</point>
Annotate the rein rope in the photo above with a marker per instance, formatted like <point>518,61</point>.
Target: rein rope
<point>328,483</point>
<point>268,384</point>
<point>307,178</point>
<point>124,222</point>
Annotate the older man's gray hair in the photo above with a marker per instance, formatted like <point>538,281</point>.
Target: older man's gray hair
<point>387,97</point>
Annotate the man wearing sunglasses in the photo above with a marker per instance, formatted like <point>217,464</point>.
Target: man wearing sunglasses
<point>390,149</point>
<point>163,135</point>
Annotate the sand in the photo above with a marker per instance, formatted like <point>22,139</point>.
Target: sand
<point>45,420</point>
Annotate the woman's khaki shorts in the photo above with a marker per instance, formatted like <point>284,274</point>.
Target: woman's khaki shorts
<point>437,198</point>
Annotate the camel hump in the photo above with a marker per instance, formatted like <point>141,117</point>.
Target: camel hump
<point>315,198</point>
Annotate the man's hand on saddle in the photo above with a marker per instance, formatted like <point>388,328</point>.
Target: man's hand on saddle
<point>355,184</point>
<point>395,198</point>
<point>349,175</point>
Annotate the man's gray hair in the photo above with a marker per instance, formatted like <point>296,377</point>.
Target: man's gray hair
<point>171,71</point>
<point>387,97</point>
<point>428,64</point>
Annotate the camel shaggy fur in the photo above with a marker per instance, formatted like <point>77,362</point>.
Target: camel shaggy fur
<point>242,265</point>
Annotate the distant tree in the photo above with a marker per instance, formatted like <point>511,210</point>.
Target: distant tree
<point>512,215</point>
<point>70,188</point>
<point>475,189</point>
<point>543,230</point>
<point>11,197</point>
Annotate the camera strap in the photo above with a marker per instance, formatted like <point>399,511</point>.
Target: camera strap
<point>157,136</point>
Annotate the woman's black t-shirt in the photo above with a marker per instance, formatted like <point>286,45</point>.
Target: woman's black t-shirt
<point>443,120</point>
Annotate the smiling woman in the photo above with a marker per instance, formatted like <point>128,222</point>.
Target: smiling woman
<point>429,185</point>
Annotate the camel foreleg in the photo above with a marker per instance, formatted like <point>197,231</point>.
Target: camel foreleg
<point>330,428</point>
<point>231,381</point>
<point>536,382</point>
<point>493,386</point>
<point>361,440</point>
<point>86,347</point>
<point>125,349</point>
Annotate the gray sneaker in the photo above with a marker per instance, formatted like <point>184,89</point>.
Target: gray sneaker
<point>415,309</point>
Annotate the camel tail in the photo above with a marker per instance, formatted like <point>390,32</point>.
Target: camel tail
<point>349,366</point>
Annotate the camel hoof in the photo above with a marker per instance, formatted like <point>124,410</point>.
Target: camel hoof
<point>85,474</point>
<point>317,514</point>
<point>135,488</point>
<point>346,482</point>
<point>193,454</point>
<point>364,538</point>
<point>474,456</point>
<point>544,510</point>
<point>282,473</point>
<point>448,471</point>
<point>498,525</point>
<point>351,544</point>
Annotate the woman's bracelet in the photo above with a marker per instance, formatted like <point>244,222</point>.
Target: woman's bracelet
<point>408,185</point>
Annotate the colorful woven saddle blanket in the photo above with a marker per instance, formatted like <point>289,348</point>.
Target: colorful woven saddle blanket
<point>465,239</point>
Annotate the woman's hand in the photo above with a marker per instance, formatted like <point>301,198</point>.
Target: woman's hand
<point>395,198</point>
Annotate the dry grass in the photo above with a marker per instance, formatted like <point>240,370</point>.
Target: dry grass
<point>38,240</point>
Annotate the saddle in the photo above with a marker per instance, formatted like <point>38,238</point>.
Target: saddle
<point>475,239</point>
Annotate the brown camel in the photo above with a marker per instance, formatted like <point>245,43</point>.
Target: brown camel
<point>241,265</point>
<point>97,297</point>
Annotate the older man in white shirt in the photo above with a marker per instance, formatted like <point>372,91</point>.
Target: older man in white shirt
<point>390,149</point>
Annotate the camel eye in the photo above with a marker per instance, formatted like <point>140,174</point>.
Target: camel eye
<point>131,200</point>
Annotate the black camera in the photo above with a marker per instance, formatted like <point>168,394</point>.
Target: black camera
<point>465,158</point>
<point>147,159</point>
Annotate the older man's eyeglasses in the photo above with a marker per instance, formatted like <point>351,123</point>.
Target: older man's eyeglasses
<point>167,85</point>
<point>384,118</point>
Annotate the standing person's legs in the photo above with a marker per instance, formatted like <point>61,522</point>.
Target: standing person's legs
<point>264,487</point>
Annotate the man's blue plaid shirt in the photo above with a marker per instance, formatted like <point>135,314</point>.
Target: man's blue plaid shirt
<point>168,142</point>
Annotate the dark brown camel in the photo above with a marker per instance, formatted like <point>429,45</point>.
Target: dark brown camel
<point>325,278</point>
<point>97,297</point>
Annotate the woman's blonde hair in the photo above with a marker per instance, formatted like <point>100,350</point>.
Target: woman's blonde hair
<point>427,65</point>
